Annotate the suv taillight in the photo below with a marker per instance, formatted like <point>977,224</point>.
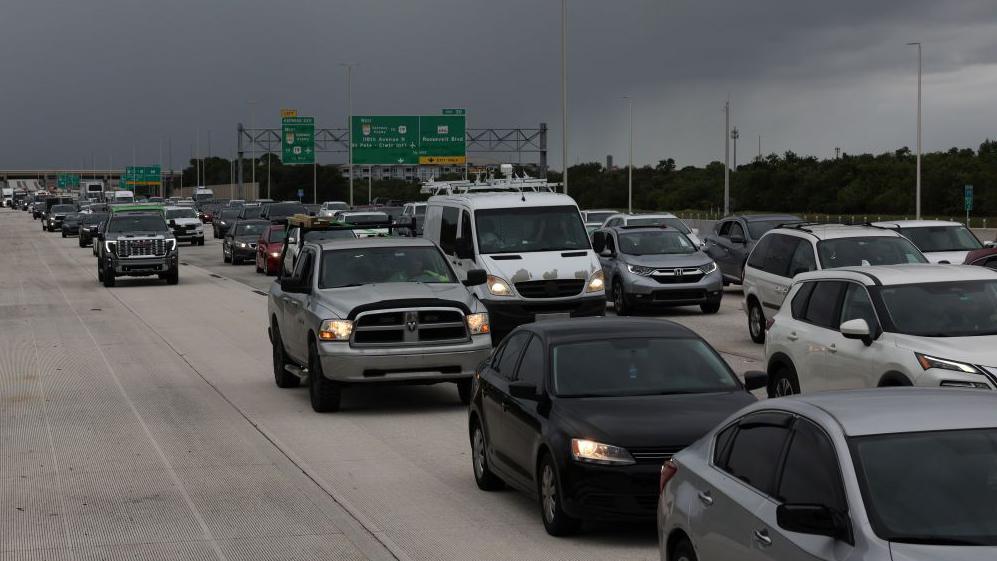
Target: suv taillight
<point>668,470</point>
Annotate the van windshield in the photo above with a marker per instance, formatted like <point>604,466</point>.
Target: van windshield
<point>527,229</point>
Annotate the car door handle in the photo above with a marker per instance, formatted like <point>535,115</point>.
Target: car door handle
<point>762,537</point>
<point>782,290</point>
<point>792,336</point>
<point>833,348</point>
<point>705,498</point>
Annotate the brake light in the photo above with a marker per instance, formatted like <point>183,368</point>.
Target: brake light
<point>668,471</point>
<point>769,323</point>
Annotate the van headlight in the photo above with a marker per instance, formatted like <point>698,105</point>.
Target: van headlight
<point>477,324</point>
<point>498,287</point>
<point>709,267</point>
<point>597,282</point>
<point>335,330</point>
<point>583,450</point>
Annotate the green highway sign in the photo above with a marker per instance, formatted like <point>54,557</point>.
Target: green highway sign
<point>408,139</point>
<point>454,111</point>
<point>298,140</point>
<point>140,175</point>
<point>65,181</point>
<point>968,192</point>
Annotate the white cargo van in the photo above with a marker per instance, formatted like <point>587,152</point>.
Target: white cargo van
<point>530,241</point>
<point>123,197</point>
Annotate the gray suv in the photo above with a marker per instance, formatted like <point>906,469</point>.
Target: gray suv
<point>652,266</point>
<point>375,310</point>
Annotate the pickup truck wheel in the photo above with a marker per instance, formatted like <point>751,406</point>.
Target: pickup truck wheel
<point>108,277</point>
<point>173,277</point>
<point>225,257</point>
<point>100,273</point>
<point>281,376</point>
<point>81,243</point>
<point>64,234</point>
<point>464,391</point>
<point>325,394</point>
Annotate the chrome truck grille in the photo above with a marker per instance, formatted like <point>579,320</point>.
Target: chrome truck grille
<point>420,326</point>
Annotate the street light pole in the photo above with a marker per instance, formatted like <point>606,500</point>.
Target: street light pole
<point>918,203</point>
<point>727,158</point>
<point>630,156</point>
<point>349,120</point>
<point>564,94</point>
<point>252,142</point>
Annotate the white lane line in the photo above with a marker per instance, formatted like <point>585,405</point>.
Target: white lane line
<point>205,531</point>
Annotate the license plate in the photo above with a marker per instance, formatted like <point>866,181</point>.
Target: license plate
<point>548,317</point>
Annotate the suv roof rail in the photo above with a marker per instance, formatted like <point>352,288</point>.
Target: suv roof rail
<point>482,184</point>
<point>801,226</point>
<point>639,226</point>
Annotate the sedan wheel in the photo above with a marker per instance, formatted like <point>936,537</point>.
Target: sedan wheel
<point>486,480</point>
<point>556,521</point>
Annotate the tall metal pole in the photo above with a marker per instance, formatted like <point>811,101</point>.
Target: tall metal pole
<point>727,158</point>
<point>630,157</point>
<point>252,136</point>
<point>918,203</point>
<point>564,93</point>
<point>349,121</point>
<point>314,180</point>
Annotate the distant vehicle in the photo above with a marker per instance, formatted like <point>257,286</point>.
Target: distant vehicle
<point>88,227</point>
<point>782,253</point>
<point>594,219</point>
<point>986,257</point>
<point>203,194</point>
<point>91,190</point>
<point>304,229</point>
<point>733,238</point>
<point>313,210</point>
<point>155,200</point>
<point>235,203</point>
<point>249,212</point>
<point>656,266</point>
<point>376,222</point>
<point>654,219</point>
<point>330,207</point>
<point>881,474</point>
<point>269,249</point>
<point>371,311</point>
<point>581,413</point>
<point>413,211</point>
<point>239,244</point>
<point>55,215</point>
<point>122,197</point>
<point>8,196</point>
<point>136,241</point>
<point>185,224</point>
<point>939,240</point>
<point>71,224</point>
<point>531,242</point>
<point>279,212</point>
<point>901,325</point>
<point>224,220</point>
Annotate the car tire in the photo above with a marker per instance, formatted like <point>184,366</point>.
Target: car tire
<point>100,273</point>
<point>464,391</point>
<point>225,257</point>
<point>710,307</point>
<point>173,276</point>
<point>620,303</point>
<point>259,270</point>
<point>108,277</point>
<point>325,394</point>
<point>281,376</point>
<point>556,521</point>
<point>80,241</point>
<point>64,234</point>
<point>783,381</point>
<point>483,476</point>
<point>200,241</point>
<point>683,551</point>
<point>756,321</point>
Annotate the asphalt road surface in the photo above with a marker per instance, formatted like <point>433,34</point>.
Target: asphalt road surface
<point>142,422</point>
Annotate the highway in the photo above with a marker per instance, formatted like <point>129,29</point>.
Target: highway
<point>143,422</point>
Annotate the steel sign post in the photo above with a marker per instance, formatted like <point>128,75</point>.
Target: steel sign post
<point>968,194</point>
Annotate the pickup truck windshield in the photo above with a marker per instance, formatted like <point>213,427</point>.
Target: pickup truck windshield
<point>136,223</point>
<point>527,229</point>
<point>372,265</point>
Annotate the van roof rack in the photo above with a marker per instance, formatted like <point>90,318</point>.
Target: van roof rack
<point>481,184</point>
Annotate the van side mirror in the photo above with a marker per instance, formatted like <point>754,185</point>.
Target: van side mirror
<point>817,520</point>
<point>524,390</point>
<point>857,329</point>
<point>476,277</point>
<point>755,380</point>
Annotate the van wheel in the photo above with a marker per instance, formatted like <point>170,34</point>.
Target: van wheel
<point>324,393</point>
<point>784,382</point>
<point>108,277</point>
<point>756,322</point>
<point>281,376</point>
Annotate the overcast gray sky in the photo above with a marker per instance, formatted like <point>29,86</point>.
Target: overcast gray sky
<point>99,76</point>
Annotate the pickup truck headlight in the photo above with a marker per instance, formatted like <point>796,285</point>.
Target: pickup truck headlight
<point>335,330</point>
<point>109,246</point>
<point>583,450</point>
<point>709,267</point>
<point>477,324</point>
<point>640,270</point>
<point>171,244</point>
<point>498,287</point>
<point>944,364</point>
<point>597,283</point>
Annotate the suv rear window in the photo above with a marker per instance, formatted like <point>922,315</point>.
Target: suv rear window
<point>867,250</point>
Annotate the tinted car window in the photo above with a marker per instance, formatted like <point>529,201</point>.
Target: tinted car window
<point>862,251</point>
<point>448,229</point>
<point>758,255</point>
<point>942,238</point>
<point>810,473</point>
<point>722,443</point>
<point>736,231</point>
<point>943,309</point>
<point>532,365</point>
<point>803,259</point>
<point>754,453</point>
<point>780,252</point>
<point>802,299</point>
<point>857,305</point>
<point>822,310</point>
<point>758,227</point>
<point>510,355</point>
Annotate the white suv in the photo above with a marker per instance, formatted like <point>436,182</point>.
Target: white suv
<point>900,325</point>
<point>655,219</point>
<point>783,253</point>
<point>940,241</point>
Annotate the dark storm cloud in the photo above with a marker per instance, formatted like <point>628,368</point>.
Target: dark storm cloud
<point>100,77</point>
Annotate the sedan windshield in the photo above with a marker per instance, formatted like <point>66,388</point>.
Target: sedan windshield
<point>930,487</point>
<point>943,309</point>
<point>864,251</point>
<point>181,213</point>
<point>526,229</point>
<point>639,366</point>
<point>655,242</point>
<point>371,265</point>
<point>136,223</point>
<point>285,210</point>
<point>247,229</point>
<point>942,238</point>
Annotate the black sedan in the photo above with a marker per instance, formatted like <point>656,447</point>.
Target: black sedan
<point>71,224</point>
<point>224,220</point>
<point>89,225</point>
<point>239,244</point>
<point>582,413</point>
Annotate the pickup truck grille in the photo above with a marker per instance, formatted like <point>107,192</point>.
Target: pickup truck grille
<point>556,288</point>
<point>409,327</point>
<point>141,248</point>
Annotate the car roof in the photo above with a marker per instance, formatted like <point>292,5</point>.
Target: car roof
<point>253,221</point>
<point>913,273</point>
<point>764,217</point>
<point>897,410</point>
<point>360,243</point>
<point>626,216</point>
<point>914,223</point>
<point>505,199</point>
<point>604,327</point>
<point>625,229</point>
<point>834,231</point>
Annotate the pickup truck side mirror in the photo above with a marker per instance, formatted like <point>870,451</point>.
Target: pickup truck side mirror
<point>476,277</point>
<point>292,285</point>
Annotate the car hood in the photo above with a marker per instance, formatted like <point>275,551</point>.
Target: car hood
<point>647,421</point>
<point>916,552</point>
<point>543,265</point>
<point>342,301</point>
<point>954,257</point>
<point>695,259</point>
<point>140,235</point>
<point>975,350</point>
<point>185,221</point>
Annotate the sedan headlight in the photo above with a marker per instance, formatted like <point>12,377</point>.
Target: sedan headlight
<point>498,287</point>
<point>944,364</point>
<point>639,270</point>
<point>597,282</point>
<point>477,324</point>
<point>335,330</point>
<point>709,267</point>
<point>583,450</point>
<point>242,245</point>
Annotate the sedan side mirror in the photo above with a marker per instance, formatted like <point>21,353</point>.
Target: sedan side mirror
<point>857,329</point>
<point>524,390</point>
<point>755,380</point>
<point>476,277</point>
<point>817,520</point>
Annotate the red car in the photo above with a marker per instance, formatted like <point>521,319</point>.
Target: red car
<point>268,249</point>
<point>986,257</point>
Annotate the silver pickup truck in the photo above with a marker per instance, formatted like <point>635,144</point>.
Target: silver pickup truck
<point>375,310</point>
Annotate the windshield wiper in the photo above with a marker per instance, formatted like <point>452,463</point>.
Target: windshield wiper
<point>935,540</point>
